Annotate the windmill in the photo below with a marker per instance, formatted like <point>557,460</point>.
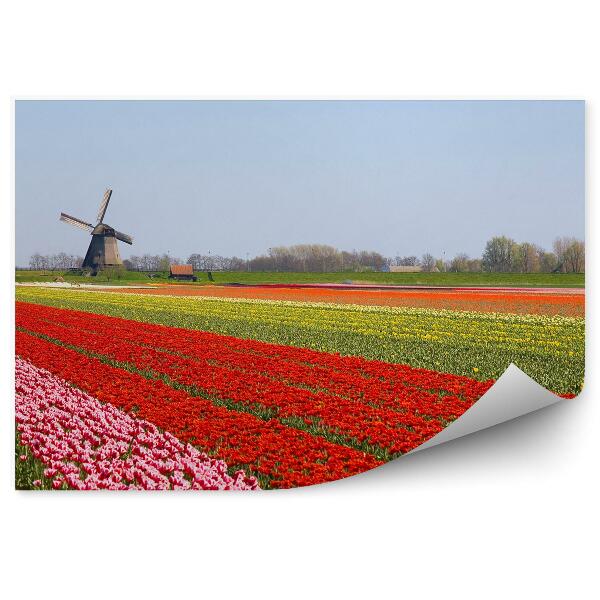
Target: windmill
<point>103,251</point>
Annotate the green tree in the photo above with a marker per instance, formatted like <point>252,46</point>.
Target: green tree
<point>499,255</point>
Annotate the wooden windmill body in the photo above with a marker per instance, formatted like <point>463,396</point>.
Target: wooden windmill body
<point>103,251</point>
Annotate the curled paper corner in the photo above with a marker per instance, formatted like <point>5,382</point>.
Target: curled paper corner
<point>514,394</point>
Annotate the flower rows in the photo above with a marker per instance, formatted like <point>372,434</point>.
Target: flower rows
<point>87,445</point>
<point>522,302</point>
<point>343,374</point>
<point>279,455</point>
<point>388,414</point>
<point>479,345</point>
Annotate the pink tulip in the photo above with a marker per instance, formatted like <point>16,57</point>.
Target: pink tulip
<point>82,442</point>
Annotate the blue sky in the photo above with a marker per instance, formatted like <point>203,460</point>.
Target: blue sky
<point>238,177</point>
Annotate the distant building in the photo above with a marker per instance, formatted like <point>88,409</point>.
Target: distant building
<point>182,273</point>
<point>405,269</point>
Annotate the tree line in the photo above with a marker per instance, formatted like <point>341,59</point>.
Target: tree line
<point>501,255</point>
<point>54,262</point>
<point>317,258</point>
<point>199,262</point>
<point>300,258</point>
<point>504,255</point>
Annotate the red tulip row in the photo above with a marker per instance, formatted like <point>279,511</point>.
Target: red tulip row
<point>281,456</point>
<point>383,428</point>
<point>378,383</point>
<point>355,420</point>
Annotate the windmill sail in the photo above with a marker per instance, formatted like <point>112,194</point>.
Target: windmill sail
<point>104,205</point>
<point>124,237</point>
<point>76,222</point>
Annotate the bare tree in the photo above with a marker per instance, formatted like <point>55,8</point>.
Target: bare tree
<point>474,265</point>
<point>526,258</point>
<point>560,246</point>
<point>316,258</point>
<point>60,261</point>
<point>133,263</point>
<point>574,257</point>
<point>570,255</point>
<point>427,262</point>
<point>459,264</point>
<point>406,261</point>
<point>36,261</point>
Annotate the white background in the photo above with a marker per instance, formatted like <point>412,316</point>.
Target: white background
<point>507,513</point>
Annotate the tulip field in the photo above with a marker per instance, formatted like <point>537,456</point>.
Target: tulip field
<point>139,391</point>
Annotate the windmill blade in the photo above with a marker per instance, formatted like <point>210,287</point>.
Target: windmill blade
<point>124,237</point>
<point>76,222</point>
<point>104,205</point>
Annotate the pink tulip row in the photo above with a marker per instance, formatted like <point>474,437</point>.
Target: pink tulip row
<point>88,445</point>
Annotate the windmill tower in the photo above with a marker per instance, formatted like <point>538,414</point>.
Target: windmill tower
<point>103,251</point>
